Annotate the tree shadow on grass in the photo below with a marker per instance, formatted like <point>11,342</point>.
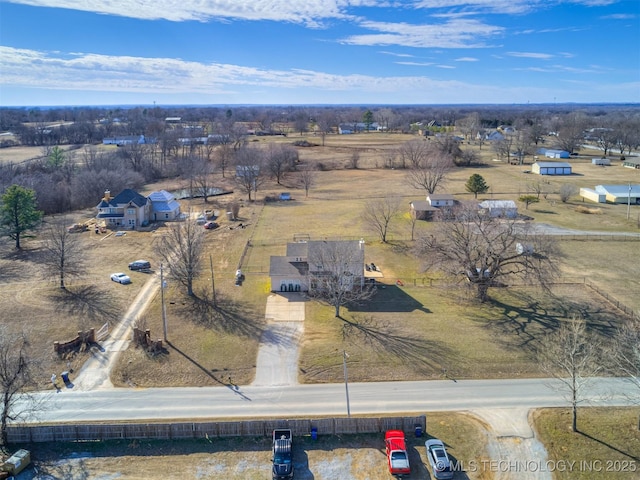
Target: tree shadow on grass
<point>426,356</point>
<point>391,298</point>
<point>521,321</point>
<point>615,449</point>
<point>88,303</point>
<point>227,315</point>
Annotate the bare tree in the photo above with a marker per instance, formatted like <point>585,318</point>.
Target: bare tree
<point>307,178</point>
<point>430,172</point>
<point>63,251</point>
<point>378,214</point>
<point>413,153</point>
<point>354,160</point>
<point>566,191</point>
<point>182,248</point>
<point>249,170</point>
<point>482,250</point>
<point>16,376</point>
<point>336,271</point>
<point>203,170</point>
<point>224,157</point>
<point>626,355</point>
<point>571,356</point>
<point>280,159</point>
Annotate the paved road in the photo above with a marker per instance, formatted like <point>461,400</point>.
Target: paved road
<point>315,400</point>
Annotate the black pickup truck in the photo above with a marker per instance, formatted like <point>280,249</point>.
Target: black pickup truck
<point>282,454</point>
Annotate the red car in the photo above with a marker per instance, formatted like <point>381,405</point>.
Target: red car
<point>397,456</point>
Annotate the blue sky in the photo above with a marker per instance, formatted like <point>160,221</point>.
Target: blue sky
<point>114,52</point>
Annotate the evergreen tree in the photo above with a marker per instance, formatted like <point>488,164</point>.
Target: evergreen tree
<point>367,119</point>
<point>18,212</point>
<point>476,185</point>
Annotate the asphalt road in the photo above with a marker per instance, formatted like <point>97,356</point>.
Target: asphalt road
<point>316,400</point>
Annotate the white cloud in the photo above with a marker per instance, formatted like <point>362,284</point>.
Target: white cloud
<point>453,34</point>
<point>309,12</point>
<point>466,59</point>
<point>619,16</point>
<point>415,64</point>
<point>542,56</point>
<point>396,54</point>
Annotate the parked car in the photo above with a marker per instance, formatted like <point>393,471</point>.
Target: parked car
<point>438,459</point>
<point>140,265</point>
<point>211,225</point>
<point>397,456</point>
<point>120,278</point>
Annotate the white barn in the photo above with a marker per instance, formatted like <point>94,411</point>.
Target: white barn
<point>551,168</point>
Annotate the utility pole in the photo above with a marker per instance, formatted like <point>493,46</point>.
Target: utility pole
<point>164,313</point>
<point>345,355</point>
<point>629,201</point>
<point>213,285</point>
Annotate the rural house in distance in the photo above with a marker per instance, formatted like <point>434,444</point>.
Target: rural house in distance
<point>129,209</point>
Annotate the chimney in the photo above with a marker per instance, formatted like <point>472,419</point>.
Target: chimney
<point>107,195</point>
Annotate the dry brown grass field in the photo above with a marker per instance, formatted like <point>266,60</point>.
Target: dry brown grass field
<point>420,330</point>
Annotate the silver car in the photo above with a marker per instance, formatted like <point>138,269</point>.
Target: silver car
<point>120,278</point>
<point>438,459</point>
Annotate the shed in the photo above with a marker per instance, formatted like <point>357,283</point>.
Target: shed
<point>631,162</point>
<point>600,161</point>
<point>556,153</point>
<point>551,168</point>
<point>590,194</point>
<point>620,193</point>
<point>499,208</point>
<point>422,210</point>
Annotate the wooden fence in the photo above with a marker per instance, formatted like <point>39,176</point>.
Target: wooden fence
<point>83,338</point>
<point>194,430</point>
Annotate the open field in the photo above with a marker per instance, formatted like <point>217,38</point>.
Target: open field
<point>415,324</point>
<point>348,457</point>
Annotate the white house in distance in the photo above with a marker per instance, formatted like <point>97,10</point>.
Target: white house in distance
<point>551,168</point>
<point>556,153</point>
<point>129,209</point>
<point>440,200</point>
<point>499,208</point>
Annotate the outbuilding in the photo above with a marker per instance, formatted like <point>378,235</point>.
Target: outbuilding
<point>590,194</point>
<point>631,162</point>
<point>551,168</point>
<point>499,208</point>
<point>556,153</point>
<point>620,193</point>
<point>600,161</point>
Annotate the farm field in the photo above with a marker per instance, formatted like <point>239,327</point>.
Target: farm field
<point>205,344</point>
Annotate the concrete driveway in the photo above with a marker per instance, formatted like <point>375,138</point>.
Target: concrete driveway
<point>277,361</point>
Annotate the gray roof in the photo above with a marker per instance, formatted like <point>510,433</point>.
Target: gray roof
<point>553,164</point>
<point>287,266</point>
<point>422,206</point>
<point>297,249</point>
